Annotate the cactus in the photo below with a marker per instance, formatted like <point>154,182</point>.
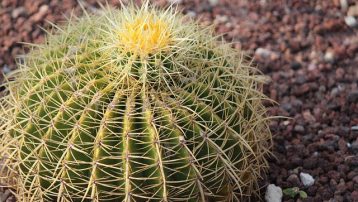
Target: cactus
<point>137,104</point>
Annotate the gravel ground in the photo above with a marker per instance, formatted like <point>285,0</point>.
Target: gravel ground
<point>309,48</point>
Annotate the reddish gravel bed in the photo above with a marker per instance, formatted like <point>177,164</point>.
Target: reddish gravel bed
<point>307,49</point>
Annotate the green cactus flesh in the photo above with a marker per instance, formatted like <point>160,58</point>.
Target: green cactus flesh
<point>135,104</point>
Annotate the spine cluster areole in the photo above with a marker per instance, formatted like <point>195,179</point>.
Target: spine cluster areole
<point>136,104</point>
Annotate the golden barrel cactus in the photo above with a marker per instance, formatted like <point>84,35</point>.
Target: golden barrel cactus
<point>136,104</point>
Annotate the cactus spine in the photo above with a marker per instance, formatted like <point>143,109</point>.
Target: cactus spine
<point>136,104</point>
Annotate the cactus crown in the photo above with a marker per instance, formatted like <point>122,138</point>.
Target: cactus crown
<point>146,33</point>
<point>136,104</point>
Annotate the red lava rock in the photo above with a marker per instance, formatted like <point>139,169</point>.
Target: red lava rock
<point>312,190</point>
<point>353,10</point>
<point>354,196</point>
<point>342,168</point>
<point>340,73</point>
<point>296,161</point>
<point>299,128</point>
<point>302,89</point>
<point>341,187</point>
<point>351,175</point>
<point>308,116</point>
<point>32,6</point>
<point>338,198</point>
<point>353,96</point>
<point>353,161</point>
<point>355,179</point>
<point>7,3</point>
<point>323,179</point>
<point>342,144</point>
<point>310,163</point>
<point>330,25</point>
<point>11,199</point>
<point>17,12</point>
<point>350,186</point>
<point>327,194</point>
<point>40,14</point>
<point>293,180</point>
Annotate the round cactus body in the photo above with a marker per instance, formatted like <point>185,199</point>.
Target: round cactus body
<point>136,104</point>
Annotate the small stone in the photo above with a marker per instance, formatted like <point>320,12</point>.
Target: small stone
<point>40,14</point>
<point>4,196</point>
<point>342,145</point>
<point>286,106</point>
<point>175,1</point>
<point>354,147</point>
<point>262,52</point>
<point>221,18</point>
<point>354,196</point>
<point>296,161</point>
<point>263,2</point>
<point>17,12</point>
<point>191,14</point>
<point>351,175</point>
<point>296,65</point>
<point>306,179</point>
<point>312,67</point>
<point>334,92</point>
<point>6,69</point>
<point>43,9</point>
<point>344,4</point>
<point>351,21</point>
<point>352,161</point>
<point>335,175</point>
<point>299,128</point>
<point>355,179</point>
<point>353,10</point>
<point>337,198</point>
<point>301,79</point>
<point>286,123</point>
<point>329,57</point>
<point>11,199</point>
<point>213,2</point>
<point>307,115</point>
<point>273,193</point>
<point>293,180</point>
<point>353,97</point>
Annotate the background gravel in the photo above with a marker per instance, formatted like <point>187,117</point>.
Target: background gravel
<point>308,48</point>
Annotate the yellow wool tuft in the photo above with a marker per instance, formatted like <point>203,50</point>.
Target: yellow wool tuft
<point>144,35</point>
